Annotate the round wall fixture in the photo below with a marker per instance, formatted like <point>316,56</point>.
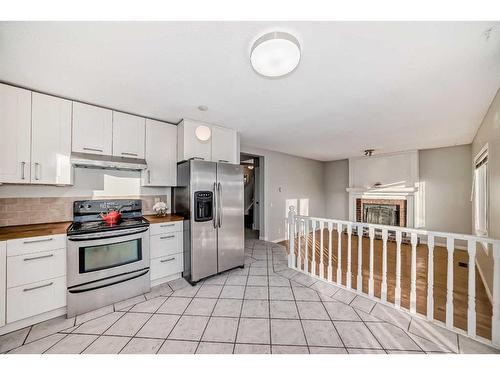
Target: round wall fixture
<point>203,133</point>
<point>275,54</point>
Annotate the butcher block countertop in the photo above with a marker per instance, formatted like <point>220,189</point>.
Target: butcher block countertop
<point>33,230</point>
<point>153,219</point>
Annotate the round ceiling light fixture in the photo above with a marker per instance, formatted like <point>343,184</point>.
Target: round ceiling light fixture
<point>275,54</point>
<point>203,108</point>
<point>203,133</point>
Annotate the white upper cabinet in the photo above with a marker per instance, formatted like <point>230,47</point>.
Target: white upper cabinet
<point>189,146</point>
<point>161,153</point>
<point>225,145</point>
<point>129,134</point>
<point>92,129</point>
<point>51,140</point>
<point>15,134</point>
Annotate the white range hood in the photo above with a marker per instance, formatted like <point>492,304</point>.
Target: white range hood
<point>107,162</point>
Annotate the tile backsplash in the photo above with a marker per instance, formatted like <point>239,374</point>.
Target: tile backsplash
<point>20,211</point>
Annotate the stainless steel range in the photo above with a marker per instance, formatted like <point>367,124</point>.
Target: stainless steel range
<point>106,263</point>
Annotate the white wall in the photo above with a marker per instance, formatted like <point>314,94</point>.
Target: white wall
<point>445,180</point>
<point>336,181</point>
<point>288,177</point>
<point>88,183</point>
<point>446,183</point>
<point>489,132</point>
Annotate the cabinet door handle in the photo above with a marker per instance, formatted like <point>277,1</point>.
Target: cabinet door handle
<point>92,149</point>
<point>38,287</point>
<point>23,164</point>
<point>40,257</point>
<point>223,161</point>
<point>167,260</point>
<point>130,153</point>
<point>166,225</point>
<point>167,237</point>
<point>37,170</point>
<point>149,176</point>
<point>42,240</point>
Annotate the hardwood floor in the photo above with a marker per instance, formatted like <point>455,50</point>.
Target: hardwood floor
<point>460,277</point>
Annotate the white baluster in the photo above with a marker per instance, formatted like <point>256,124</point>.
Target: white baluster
<point>397,290</point>
<point>313,263</point>
<point>413,276</point>
<point>383,286</point>
<point>495,320</point>
<point>321,266</point>
<point>330,258</point>
<point>430,278</point>
<point>450,245</point>
<point>306,256</point>
<point>339,253</point>
<point>348,274</point>
<point>291,237</point>
<point>371,233</point>
<point>471,310</point>
<point>359,280</point>
<point>300,224</point>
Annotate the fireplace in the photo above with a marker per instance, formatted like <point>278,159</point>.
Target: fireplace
<point>381,211</point>
<point>384,214</point>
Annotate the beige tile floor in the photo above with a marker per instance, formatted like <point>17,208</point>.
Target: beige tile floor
<point>261,309</point>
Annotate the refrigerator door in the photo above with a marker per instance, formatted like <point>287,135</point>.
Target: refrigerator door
<point>203,232</point>
<point>229,199</point>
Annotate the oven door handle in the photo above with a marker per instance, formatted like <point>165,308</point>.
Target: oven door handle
<point>87,287</point>
<point>77,237</point>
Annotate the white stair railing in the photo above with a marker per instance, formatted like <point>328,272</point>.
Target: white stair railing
<point>299,235</point>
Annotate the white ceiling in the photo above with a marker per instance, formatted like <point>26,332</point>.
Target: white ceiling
<point>385,85</point>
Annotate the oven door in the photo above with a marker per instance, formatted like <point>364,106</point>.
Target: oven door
<point>105,255</point>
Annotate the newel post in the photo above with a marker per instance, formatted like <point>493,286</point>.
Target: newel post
<point>495,321</point>
<point>291,237</point>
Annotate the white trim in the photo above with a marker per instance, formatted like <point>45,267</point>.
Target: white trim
<point>14,326</point>
<point>481,154</point>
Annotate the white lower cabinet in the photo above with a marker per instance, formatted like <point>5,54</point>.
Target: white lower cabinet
<point>3,281</point>
<point>166,250</point>
<point>36,276</point>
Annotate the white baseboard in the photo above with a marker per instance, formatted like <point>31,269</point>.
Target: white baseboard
<point>165,279</point>
<point>14,326</point>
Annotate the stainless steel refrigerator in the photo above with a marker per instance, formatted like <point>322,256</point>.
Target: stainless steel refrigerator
<point>210,197</point>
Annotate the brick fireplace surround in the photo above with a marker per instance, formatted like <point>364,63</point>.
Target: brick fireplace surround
<point>399,202</point>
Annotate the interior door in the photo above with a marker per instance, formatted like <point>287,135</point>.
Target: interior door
<point>256,199</point>
<point>51,140</point>
<point>15,130</point>
<point>203,232</point>
<point>230,200</point>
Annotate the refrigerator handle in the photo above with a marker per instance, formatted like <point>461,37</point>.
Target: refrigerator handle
<point>219,202</point>
<point>214,205</point>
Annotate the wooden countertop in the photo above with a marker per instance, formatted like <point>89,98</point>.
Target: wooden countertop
<point>48,229</point>
<point>153,219</point>
<point>33,230</point>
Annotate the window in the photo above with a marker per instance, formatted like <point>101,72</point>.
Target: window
<point>480,192</point>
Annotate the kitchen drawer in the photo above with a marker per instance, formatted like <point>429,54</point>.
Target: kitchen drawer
<point>166,266</point>
<point>35,267</point>
<point>165,244</point>
<point>3,272</point>
<point>162,228</point>
<point>33,299</point>
<point>35,244</point>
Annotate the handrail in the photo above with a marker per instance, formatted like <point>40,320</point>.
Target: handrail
<point>303,229</point>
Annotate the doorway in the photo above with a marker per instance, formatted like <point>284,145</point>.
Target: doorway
<point>253,180</point>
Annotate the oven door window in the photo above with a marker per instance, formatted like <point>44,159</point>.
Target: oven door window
<point>95,258</point>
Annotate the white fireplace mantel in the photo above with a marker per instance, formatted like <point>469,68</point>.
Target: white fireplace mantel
<point>387,176</point>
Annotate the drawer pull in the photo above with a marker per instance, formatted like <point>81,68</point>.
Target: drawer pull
<point>130,153</point>
<point>38,287</point>
<point>40,257</point>
<point>167,237</point>
<point>167,225</point>
<point>167,260</point>
<point>42,240</point>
